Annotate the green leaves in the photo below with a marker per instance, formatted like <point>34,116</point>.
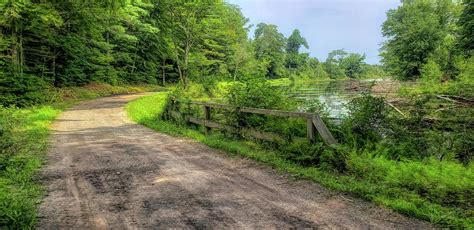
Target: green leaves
<point>269,46</point>
<point>340,64</point>
<point>353,65</point>
<point>466,23</point>
<point>415,30</point>
<point>295,41</point>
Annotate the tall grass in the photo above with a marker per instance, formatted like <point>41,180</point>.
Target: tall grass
<point>437,191</point>
<point>24,140</point>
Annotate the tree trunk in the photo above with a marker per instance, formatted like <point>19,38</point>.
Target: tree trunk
<point>17,52</point>
<point>179,68</point>
<point>163,72</point>
<point>187,48</point>
<point>22,55</point>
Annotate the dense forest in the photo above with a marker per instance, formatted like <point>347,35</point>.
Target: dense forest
<point>414,156</point>
<point>48,44</point>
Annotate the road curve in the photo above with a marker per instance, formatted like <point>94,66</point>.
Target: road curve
<point>105,172</point>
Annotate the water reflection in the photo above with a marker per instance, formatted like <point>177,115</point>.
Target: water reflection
<point>335,94</point>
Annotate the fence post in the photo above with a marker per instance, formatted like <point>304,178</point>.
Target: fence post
<point>311,130</point>
<point>323,130</point>
<point>170,109</point>
<point>207,117</point>
<point>177,105</point>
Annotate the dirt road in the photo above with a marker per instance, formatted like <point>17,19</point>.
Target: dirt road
<point>105,172</point>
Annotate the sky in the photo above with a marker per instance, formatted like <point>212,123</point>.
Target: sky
<point>353,25</point>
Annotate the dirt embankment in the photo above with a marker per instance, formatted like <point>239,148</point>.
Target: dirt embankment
<point>104,172</point>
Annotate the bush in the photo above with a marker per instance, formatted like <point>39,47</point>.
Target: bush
<point>23,90</point>
<point>431,73</point>
<point>256,93</point>
<point>366,122</point>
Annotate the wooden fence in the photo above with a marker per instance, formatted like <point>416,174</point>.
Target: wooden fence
<point>314,122</point>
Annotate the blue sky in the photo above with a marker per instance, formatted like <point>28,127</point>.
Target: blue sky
<point>354,25</point>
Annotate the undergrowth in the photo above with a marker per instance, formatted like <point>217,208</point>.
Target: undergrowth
<point>429,189</point>
<point>23,142</point>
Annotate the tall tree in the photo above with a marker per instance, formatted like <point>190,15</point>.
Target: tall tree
<point>333,63</point>
<point>295,41</point>
<point>353,65</point>
<point>27,35</point>
<point>186,30</point>
<point>414,31</point>
<point>466,24</point>
<point>226,38</point>
<point>269,48</point>
<point>293,45</point>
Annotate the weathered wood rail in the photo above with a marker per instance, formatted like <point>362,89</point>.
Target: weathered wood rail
<point>314,122</point>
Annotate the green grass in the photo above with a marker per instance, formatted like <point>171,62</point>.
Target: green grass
<point>24,136</point>
<point>21,158</point>
<point>430,190</point>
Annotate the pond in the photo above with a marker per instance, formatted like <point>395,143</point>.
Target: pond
<point>334,94</point>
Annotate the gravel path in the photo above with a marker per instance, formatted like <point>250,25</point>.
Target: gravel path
<point>105,172</point>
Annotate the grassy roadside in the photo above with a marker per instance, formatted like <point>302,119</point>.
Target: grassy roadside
<point>23,142</point>
<point>375,179</point>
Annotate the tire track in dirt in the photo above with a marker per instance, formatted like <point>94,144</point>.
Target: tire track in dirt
<point>105,172</point>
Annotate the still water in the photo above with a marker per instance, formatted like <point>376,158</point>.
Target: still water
<point>334,94</point>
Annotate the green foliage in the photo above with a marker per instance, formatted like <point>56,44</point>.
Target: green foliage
<point>314,106</point>
<point>431,73</point>
<point>366,122</point>
<point>306,154</point>
<point>464,85</point>
<point>340,64</point>
<point>466,24</point>
<point>294,42</point>
<point>353,65</point>
<point>372,126</point>
<point>27,131</point>
<point>415,31</point>
<point>69,43</point>
<point>434,84</point>
<point>373,72</point>
<point>332,65</point>
<point>256,93</point>
<point>269,48</point>
<point>23,90</point>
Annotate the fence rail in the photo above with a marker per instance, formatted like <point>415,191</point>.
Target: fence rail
<point>314,122</point>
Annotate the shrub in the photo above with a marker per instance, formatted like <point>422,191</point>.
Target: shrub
<point>366,121</point>
<point>431,73</point>
<point>23,90</point>
<point>257,93</point>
